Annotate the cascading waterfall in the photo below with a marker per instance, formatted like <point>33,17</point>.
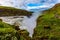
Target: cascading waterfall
<point>30,23</point>
<point>24,23</point>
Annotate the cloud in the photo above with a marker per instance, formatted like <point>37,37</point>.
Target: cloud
<point>45,4</point>
<point>24,4</point>
<point>37,7</point>
<point>58,1</point>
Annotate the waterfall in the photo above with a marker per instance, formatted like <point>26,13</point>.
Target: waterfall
<point>30,23</point>
<point>24,23</point>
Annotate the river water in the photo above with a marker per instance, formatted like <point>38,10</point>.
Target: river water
<point>24,22</point>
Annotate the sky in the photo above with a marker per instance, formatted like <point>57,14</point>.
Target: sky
<point>29,4</point>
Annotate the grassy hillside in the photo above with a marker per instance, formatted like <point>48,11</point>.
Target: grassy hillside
<point>48,25</point>
<point>10,32</point>
<point>10,11</point>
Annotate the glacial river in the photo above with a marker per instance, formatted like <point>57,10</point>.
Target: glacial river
<point>23,21</point>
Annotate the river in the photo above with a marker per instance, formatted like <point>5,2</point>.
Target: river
<point>24,22</point>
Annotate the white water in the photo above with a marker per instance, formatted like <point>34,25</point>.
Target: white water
<point>31,23</point>
<point>25,23</point>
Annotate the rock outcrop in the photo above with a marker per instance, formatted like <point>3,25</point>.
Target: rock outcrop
<point>10,11</point>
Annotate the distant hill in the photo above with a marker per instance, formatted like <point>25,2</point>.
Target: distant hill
<point>48,25</point>
<point>55,8</point>
<point>10,11</point>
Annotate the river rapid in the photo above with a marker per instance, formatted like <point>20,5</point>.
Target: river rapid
<point>23,22</point>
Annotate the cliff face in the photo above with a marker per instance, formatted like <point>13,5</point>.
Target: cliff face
<point>10,11</point>
<point>48,25</point>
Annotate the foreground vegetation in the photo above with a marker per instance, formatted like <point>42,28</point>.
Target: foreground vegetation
<point>48,25</point>
<point>9,32</point>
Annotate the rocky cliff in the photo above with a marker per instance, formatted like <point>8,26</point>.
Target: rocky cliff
<point>10,11</point>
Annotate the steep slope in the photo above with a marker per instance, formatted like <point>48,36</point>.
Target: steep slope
<point>10,32</point>
<point>10,11</point>
<point>48,25</point>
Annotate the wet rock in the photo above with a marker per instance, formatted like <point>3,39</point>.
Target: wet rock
<point>44,38</point>
<point>47,27</point>
<point>16,24</point>
<point>0,19</point>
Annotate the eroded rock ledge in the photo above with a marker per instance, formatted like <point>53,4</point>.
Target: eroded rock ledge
<point>10,11</point>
